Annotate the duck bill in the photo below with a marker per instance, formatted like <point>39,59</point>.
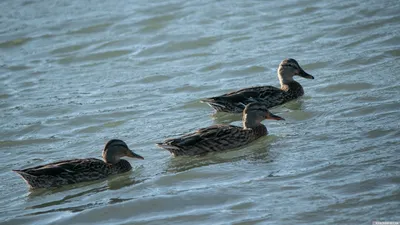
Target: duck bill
<point>304,74</point>
<point>274,117</point>
<point>134,155</point>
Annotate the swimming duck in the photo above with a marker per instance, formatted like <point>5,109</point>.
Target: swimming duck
<point>80,170</point>
<point>222,137</point>
<point>234,102</point>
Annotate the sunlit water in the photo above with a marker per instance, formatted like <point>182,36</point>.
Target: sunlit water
<point>77,73</point>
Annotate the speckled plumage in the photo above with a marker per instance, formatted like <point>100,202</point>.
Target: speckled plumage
<point>234,102</point>
<point>222,137</point>
<point>80,170</point>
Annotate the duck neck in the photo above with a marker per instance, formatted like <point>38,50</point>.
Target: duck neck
<point>109,157</point>
<point>258,128</point>
<point>122,166</point>
<point>291,86</point>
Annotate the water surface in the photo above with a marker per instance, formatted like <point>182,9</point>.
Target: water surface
<point>74,75</point>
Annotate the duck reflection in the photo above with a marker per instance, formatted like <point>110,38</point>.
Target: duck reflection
<point>257,152</point>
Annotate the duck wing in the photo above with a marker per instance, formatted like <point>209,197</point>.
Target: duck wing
<point>213,138</point>
<point>73,166</point>
<point>237,100</point>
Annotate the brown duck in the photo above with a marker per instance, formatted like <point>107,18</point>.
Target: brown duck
<point>234,102</point>
<point>80,170</point>
<point>222,137</point>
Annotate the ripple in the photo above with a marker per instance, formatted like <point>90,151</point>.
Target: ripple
<point>377,133</point>
<point>188,88</point>
<point>91,29</point>
<point>249,70</point>
<point>27,142</point>
<point>347,87</point>
<point>239,39</point>
<point>214,66</point>
<point>94,57</point>
<point>364,186</point>
<point>14,43</point>
<point>155,23</point>
<point>300,115</point>
<point>4,96</point>
<point>362,40</point>
<point>178,46</point>
<point>18,67</point>
<point>369,109</point>
<point>68,49</point>
<point>154,79</point>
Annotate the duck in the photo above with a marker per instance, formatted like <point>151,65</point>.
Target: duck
<point>222,137</point>
<point>234,102</point>
<point>80,170</point>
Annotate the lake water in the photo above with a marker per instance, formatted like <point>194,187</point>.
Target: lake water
<point>75,74</point>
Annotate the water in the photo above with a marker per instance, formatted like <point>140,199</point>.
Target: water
<point>75,74</point>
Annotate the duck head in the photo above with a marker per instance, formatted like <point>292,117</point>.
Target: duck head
<point>256,112</point>
<point>289,68</point>
<point>115,149</point>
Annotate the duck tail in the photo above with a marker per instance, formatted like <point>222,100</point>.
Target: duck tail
<point>206,100</point>
<point>171,148</point>
<point>214,103</point>
<point>167,146</point>
<point>213,100</point>
<point>19,171</point>
<point>23,174</point>
<point>28,178</point>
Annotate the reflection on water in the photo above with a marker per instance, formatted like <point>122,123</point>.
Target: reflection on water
<point>71,195</point>
<point>226,118</point>
<point>294,106</point>
<point>258,152</point>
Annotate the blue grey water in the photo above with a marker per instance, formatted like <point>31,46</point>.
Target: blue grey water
<point>77,73</point>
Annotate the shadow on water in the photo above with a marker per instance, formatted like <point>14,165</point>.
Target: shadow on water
<point>73,209</point>
<point>72,200</point>
<point>55,190</point>
<point>227,118</point>
<point>51,206</point>
<point>112,183</point>
<point>257,151</point>
<point>293,105</point>
<point>124,180</point>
